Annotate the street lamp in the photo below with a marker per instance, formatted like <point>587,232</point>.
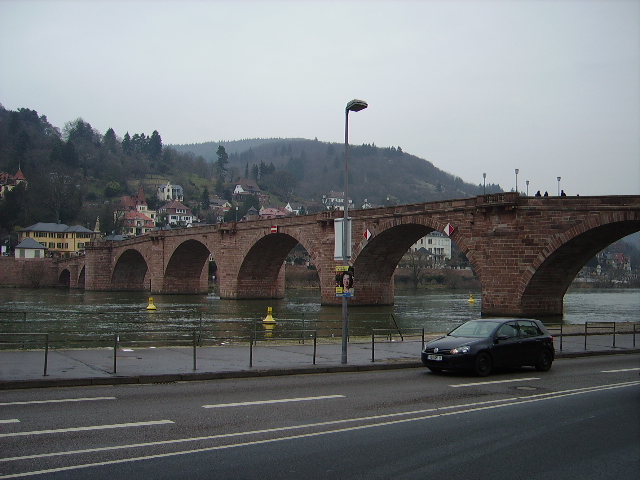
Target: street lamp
<point>558,178</point>
<point>484,183</point>
<point>352,106</point>
<point>517,172</point>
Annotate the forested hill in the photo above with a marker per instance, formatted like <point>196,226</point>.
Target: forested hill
<point>76,174</point>
<point>308,169</point>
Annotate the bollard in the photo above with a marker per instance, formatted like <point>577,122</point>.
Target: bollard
<point>269,318</point>
<point>151,306</point>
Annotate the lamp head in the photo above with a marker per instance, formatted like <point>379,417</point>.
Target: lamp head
<point>356,105</point>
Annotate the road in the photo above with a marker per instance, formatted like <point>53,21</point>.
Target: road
<point>579,420</point>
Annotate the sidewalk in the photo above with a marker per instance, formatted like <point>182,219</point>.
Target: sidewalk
<point>25,368</point>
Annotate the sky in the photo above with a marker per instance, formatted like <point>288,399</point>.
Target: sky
<point>551,88</point>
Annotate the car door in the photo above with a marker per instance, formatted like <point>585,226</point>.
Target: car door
<point>506,345</point>
<point>531,341</point>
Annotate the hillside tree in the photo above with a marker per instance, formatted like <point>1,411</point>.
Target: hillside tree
<point>221,163</point>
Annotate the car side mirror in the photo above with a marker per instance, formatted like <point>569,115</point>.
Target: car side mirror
<point>501,337</point>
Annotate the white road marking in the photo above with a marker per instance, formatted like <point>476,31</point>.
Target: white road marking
<point>82,429</point>
<point>10,420</point>
<point>265,402</point>
<point>621,370</point>
<point>476,407</point>
<point>34,402</point>
<point>494,382</point>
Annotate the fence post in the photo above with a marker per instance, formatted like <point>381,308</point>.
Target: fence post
<point>115,352</point>
<point>315,338</point>
<point>195,339</point>
<point>614,334</point>
<point>585,334</point>
<point>373,346</point>
<point>46,352</point>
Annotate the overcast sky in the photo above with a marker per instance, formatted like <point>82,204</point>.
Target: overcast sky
<point>549,87</point>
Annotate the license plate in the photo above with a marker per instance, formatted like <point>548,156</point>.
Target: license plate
<point>434,357</point>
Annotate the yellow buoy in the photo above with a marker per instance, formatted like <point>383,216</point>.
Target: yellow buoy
<point>269,317</point>
<point>471,299</point>
<point>151,306</point>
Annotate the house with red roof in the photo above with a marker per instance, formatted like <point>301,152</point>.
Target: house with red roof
<point>9,182</point>
<point>177,214</point>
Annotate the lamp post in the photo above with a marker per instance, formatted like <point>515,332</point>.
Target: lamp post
<point>352,106</point>
<point>484,183</point>
<point>517,172</point>
<point>558,178</point>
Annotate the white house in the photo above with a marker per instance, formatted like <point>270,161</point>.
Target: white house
<point>169,192</point>
<point>293,208</point>
<point>335,201</point>
<point>436,243</point>
<point>29,248</point>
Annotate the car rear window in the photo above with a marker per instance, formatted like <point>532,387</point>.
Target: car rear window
<point>529,329</point>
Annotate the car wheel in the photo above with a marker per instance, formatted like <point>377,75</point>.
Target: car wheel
<point>435,369</point>
<point>545,359</point>
<point>482,365</point>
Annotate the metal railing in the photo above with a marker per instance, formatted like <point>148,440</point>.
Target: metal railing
<point>195,332</point>
<point>176,339</point>
<point>298,335</point>
<point>389,334</point>
<point>23,345</point>
<point>595,329</point>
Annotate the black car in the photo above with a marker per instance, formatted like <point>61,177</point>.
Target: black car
<point>481,345</point>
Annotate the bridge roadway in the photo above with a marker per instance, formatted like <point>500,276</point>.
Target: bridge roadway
<point>525,250</point>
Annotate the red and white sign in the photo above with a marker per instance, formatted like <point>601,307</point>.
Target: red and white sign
<point>274,229</point>
<point>448,230</point>
<point>367,234</point>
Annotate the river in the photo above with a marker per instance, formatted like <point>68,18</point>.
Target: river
<point>435,310</point>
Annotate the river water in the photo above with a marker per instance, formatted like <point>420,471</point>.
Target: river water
<point>88,313</point>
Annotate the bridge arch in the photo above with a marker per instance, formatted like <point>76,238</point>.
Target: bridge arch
<point>186,270</point>
<point>378,258</point>
<point>545,283</point>
<point>64,278</point>
<point>261,273</point>
<point>129,271</point>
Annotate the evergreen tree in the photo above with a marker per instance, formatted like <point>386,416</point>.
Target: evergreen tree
<point>204,200</point>
<point>221,164</point>
<point>155,145</point>
<point>127,147</point>
<point>110,141</point>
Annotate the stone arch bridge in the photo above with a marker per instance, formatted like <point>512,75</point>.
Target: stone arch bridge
<point>525,250</point>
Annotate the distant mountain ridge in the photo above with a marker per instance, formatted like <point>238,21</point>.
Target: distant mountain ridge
<point>381,176</point>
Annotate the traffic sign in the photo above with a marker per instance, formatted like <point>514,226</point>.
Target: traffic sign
<point>448,230</point>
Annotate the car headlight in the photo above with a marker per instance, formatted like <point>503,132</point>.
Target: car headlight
<point>463,349</point>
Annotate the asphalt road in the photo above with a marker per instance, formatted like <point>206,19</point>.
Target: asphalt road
<point>579,420</point>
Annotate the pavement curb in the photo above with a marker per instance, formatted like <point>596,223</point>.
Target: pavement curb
<point>197,376</point>
<point>252,373</point>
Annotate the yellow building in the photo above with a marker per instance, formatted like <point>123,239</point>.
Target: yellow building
<point>59,239</point>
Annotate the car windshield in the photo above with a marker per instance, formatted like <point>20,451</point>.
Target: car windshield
<point>474,329</point>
